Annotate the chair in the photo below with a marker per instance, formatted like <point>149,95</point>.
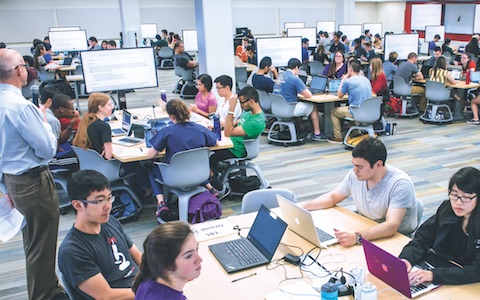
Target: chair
<point>365,114</point>
<point>26,92</point>
<point>45,75</point>
<point>316,67</point>
<point>404,91</point>
<point>437,110</point>
<point>184,175</point>
<point>252,201</point>
<point>283,111</point>
<point>186,83</point>
<point>419,216</point>
<point>242,164</point>
<point>165,53</point>
<point>241,77</point>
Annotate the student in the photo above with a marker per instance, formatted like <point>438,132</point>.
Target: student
<point>224,84</point>
<point>337,67</point>
<point>170,261</point>
<point>62,107</point>
<point>472,46</point>
<point>93,44</point>
<point>380,192</point>
<point>432,44</point>
<point>320,55</point>
<point>104,45</point>
<point>390,66</point>
<point>261,80</point>
<point>111,44</point>
<point>205,100</point>
<point>337,45</point>
<point>241,50</point>
<point>40,59</point>
<point>359,51</point>
<point>98,260</point>
<point>437,52</point>
<point>182,58</point>
<point>378,78</point>
<point>440,73</point>
<point>251,57</point>
<point>408,70</point>
<point>467,63</point>
<point>452,234</point>
<point>446,47</point>
<point>370,53</point>
<point>305,55</point>
<point>377,43</point>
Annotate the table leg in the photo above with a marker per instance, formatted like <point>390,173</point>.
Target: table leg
<point>327,126</point>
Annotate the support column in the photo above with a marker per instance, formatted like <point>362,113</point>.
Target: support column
<point>130,19</point>
<point>345,12</point>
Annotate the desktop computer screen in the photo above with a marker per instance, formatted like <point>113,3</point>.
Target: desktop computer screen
<point>280,49</point>
<point>71,40</point>
<point>149,31</point>
<point>190,39</point>
<point>403,44</point>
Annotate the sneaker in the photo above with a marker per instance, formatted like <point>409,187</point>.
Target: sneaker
<point>226,191</point>
<point>214,192</point>
<point>162,209</point>
<point>334,140</point>
<point>319,137</point>
<point>474,122</point>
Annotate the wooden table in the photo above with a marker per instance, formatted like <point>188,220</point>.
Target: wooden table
<point>460,84</point>
<point>139,152</point>
<point>215,283</point>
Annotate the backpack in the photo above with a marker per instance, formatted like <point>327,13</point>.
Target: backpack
<point>303,127</point>
<point>202,207</point>
<point>244,184</point>
<point>393,106</point>
<point>123,206</point>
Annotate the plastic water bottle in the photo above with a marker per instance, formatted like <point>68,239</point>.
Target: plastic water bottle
<point>467,77</point>
<point>387,129</point>
<point>329,291</point>
<point>163,95</point>
<point>217,129</point>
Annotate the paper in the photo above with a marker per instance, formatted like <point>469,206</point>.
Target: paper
<point>212,230</point>
<point>11,220</point>
<point>299,290</point>
<point>134,152</point>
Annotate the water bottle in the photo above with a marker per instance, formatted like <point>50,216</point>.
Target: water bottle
<point>163,95</point>
<point>329,291</point>
<point>217,129</point>
<point>387,129</point>
<point>467,77</point>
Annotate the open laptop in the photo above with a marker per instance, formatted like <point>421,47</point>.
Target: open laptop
<point>393,271</point>
<point>456,74</point>
<point>333,85</point>
<point>67,61</point>
<point>126,125</point>
<point>254,250</point>
<point>475,76</point>
<point>301,222</point>
<point>318,84</point>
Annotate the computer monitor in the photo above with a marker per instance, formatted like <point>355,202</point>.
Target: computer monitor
<point>328,26</point>
<point>293,25</point>
<point>62,41</point>
<point>403,44</point>
<point>190,39</point>
<point>149,31</point>
<point>66,28</point>
<point>119,69</point>
<point>305,32</point>
<point>432,30</point>
<point>280,49</point>
<point>243,31</point>
<point>374,28</point>
<point>352,31</point>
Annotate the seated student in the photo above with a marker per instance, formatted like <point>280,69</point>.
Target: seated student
<point>181,136</point>
<point>182,58</point>
<point>160,42</point>
<point>39,59</point>
<point>437,52</point>
<point>359,51</point>
<point>62,107</point>
<point>472,46</point>
<point>377,43</point>
<point>390,66</point>
<point>224,84</point>
<point>452,234</point>
<point>475,102</point>
<point>432,44</point>
<point>440,73</point>
<point>261,80</point>
<point>170,261</point>
<point>446,47</point>
<point>305,55</point>
<point>251,57</point>
<point>337,67</point>
<point>97,259</point>
<point>205,100</point>
<point>111,44</point>
<point>241,50</point>
<point>377,77</point>
<point>337,45</point>
<point>32,72</point>
<point>104,44</point>
<point>320,55</point>
<point>249,126</point>
<point>370,52</point>
<point>408,70</point>
<point>93,44</point>
<point>467,63</point>
<point>289,86</point>
<point>380,192</point>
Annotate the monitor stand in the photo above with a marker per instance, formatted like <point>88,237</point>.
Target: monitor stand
<point>122,100</point>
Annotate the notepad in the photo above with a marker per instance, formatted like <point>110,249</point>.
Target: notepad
<point>134,152</point>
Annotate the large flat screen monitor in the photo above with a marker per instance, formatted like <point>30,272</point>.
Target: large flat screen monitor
<point>119,69</point>
<point>190,39</point>
<point>280,49</point>
<point>426,14</point>
<point>431,31</point>
<point>403,44</point>
<point>66,28</point>
<point>374,28</point>
<point>68,40</point>
<point>149,31</point>
<point>352,31</point>
<point>460,18</point>
<point>293,25</point>
<point>306,32</point>
<point>328,26</point>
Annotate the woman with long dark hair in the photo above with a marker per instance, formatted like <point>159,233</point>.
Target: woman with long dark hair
<point>337,67</point>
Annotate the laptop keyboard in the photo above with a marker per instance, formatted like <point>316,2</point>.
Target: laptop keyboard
<point>418,288</point>
<point>323,236</point>
<point>129,140</point>
<point>243,251</point>
<point>118,131</point>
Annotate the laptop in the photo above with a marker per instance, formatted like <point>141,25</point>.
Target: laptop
<point>456,74</point>
<point>333,85</point>
<point>475,76</point>
<point>301,222</point>
<point>257,248</point>
<point>67,61</point>
<point>318,84</point>
<point>126,125</point>
<point>128,141</point>
<point>393,271</point>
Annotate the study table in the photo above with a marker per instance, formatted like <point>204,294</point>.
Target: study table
<point>139,152</point>
<point>215,283</point>
<point>461,85</point>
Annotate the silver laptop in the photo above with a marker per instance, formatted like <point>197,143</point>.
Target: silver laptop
<point>301,222</point>
<point>456,74</point>
<point>126,125</point>
<point>333,85</point>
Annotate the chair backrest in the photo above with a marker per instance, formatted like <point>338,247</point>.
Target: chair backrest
<point>316,67</point>
<point>186,75</point>
<point>435,91</point>
<point>252,147</point>
<point>400,87</point>
<point>280,107</point>
<point>419,211</point>
<point>26,92</point>
<point>252,201</point>
<point>369,111</point>
<point>45,75</point>
<point>187,168</point>
<point>264,100</point>
<point>241,74</point>
<point>89,159</point>
<point>165,52</point>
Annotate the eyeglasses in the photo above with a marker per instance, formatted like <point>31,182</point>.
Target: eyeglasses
<point>464,199</point>
<point>219,87</point>
<point>243,102</point>
<point>22,65</point>
<point>101,202</point>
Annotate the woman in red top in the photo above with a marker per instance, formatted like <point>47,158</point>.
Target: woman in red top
<point>467,63</point>
<point>378,78</point>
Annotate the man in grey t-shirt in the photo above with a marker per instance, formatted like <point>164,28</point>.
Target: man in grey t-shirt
<point>380,192</point>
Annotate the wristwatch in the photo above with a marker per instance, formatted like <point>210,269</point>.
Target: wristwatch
<point>359,238</point>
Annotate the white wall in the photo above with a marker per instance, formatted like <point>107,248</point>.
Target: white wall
<point>392,15</point>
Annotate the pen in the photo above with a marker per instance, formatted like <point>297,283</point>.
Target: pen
<point>141,150</point>
<point>235,280</point>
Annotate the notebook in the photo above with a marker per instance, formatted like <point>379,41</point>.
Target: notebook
<point>301,222</point>
<point>257,248</point>
<point>333,85</point>
<point>393,271</point>
<point>126,125</point>
<point>318,84</point>
<point>128,141</point>
<point>475,76</point>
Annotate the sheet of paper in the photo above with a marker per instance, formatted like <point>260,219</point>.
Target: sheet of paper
<point>212,230</point>
<point>297,291</point>
<point>134,152</point>
<point>11,220</point>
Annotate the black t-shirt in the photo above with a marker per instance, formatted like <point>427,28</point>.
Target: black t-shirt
<point>99,133</point>
<point>182,60</point>
<point>334,48</point>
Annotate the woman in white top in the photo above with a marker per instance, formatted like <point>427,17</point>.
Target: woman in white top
<point>223,85</point>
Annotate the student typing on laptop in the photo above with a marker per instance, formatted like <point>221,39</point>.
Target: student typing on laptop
<point>380,192</point>
<point>453,234</point>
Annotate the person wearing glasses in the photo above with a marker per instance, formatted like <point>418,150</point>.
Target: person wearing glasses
<point>451,237</point>
<point>97,258</point>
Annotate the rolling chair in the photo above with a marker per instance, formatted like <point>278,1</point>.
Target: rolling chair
<point>45,75</point>
<point>437,110</point>
<point>419,216</point>
<point>186,85</point>
<point>316,67</point>
<point>284,112</point>
<point>183,177</point>
<point>26,92</point>
<point>165,54</point>
<point>241,77</point>
<point>252,201</point>
<point>404,91</point>
<point>365,114</point>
